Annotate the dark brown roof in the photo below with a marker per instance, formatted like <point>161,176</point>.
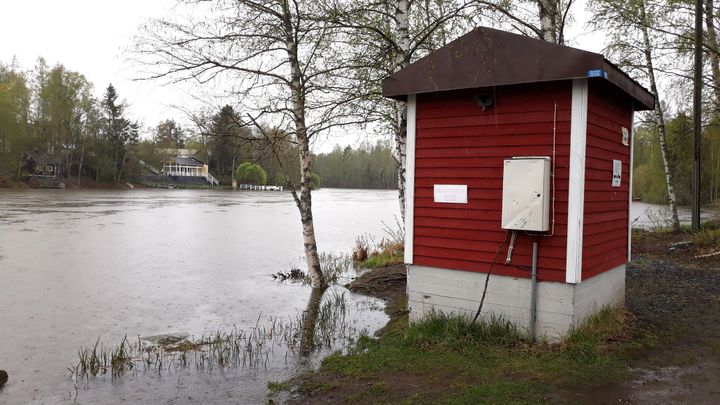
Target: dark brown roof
<point>47,159</point>
<point>487,57</point>
<point>184,160</point>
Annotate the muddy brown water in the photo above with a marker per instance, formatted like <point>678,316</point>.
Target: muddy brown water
<point>78,265</point>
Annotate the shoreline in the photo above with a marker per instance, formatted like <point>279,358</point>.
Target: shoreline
<point>665,342</point>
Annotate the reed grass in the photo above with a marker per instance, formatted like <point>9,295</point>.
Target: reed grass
<point>274,339</point>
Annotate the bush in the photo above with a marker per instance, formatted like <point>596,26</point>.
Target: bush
<point>251,173</point>
<point>314,181</point>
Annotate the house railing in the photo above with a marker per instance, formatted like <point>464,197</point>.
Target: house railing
<point>207,176</point>
<point>211,179</point>
<point>256,187</point>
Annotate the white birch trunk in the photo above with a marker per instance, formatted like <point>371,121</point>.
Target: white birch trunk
<point>660,122</point>
<point>402,16</point>
<point>711,37</point>
<point>304,199</point>
<point>548,12</point>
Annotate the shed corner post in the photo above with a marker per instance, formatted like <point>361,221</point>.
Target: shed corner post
<point>410,178</point>
<point>576,189</point>
<point>630,182</point>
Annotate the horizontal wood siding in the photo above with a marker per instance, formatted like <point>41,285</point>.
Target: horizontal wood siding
<point>605,230</point>
<point>459,143</point>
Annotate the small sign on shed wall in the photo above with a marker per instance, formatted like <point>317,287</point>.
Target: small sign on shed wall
<point>451,193</point>
<point>617,173</point>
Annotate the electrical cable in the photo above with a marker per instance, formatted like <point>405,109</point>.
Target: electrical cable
<point>552,173</point>
<point>487,278</point>
<point>513,238</point>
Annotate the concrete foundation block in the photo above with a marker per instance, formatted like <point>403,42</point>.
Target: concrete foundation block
<point>560,306</point>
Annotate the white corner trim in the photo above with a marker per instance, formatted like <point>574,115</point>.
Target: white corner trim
<point>410,178</point>
<point>576,188</point>
<point>630,184</point>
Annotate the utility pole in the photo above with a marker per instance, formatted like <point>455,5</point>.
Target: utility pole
<point>697,111</point>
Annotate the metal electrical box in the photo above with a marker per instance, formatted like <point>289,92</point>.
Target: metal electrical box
<point>526,194</point>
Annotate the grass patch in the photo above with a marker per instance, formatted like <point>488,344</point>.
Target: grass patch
<point>490,362</point>
<point>381,259</point>
<point>707,237</point>
<point>316,386</point>
<point>390,250</point>
<point>275,387</point>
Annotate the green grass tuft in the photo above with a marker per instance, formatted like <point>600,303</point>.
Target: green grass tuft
<point>454,333</point>
<point>381,259</point>
<point>490,362</point>
<point>275,387</point>
<point>707,237</point>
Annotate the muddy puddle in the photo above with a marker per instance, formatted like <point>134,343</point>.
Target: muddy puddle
<point>78,265</point>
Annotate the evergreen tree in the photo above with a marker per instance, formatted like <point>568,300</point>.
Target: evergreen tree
<point>121,133</point>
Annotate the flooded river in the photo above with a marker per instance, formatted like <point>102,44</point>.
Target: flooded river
<point>78,265</point>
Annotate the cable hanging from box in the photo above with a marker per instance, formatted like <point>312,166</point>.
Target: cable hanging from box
<point>487,277</point>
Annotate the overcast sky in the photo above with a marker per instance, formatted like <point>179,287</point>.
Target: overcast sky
<point>89,37</point>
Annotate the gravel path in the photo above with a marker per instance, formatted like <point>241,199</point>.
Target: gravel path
<point>677,299</point>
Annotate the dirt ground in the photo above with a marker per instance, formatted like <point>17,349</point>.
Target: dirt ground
<point>674,297</point>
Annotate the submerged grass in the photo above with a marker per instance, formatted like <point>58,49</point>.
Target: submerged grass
<point>253,348</point>
<point>335,268</point>
<point>488,362</point>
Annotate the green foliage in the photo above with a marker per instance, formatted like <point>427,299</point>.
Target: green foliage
<point>51,111</point>
<point>169,134</point>
<point>649,176</point>
<point>680,149</point>
<point>277,386</point>
<point>251,173</point>
<point>314,181</point>
<point>121,133</point>
<point>368,166</point>
<point>14,109</point>
<point>227,143</point>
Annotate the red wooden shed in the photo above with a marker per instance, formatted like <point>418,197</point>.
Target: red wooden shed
<point>474,105</point>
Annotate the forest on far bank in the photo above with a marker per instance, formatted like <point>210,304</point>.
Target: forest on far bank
<point>52,110</point>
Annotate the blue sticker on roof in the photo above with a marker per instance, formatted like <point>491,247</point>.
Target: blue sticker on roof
<point>597,73</point>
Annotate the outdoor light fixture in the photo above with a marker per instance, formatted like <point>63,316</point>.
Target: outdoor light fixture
<point>484,100</point>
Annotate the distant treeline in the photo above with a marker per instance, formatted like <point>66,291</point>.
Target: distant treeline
<point>368,166</point>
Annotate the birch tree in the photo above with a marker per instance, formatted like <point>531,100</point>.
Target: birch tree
<point>282,62</point>
<point>386,36</point>
<point>632,42</point>
<point>542,19</point>
<point>713,53</point>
